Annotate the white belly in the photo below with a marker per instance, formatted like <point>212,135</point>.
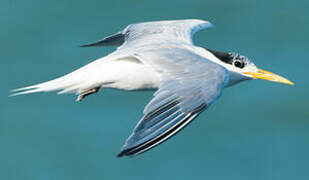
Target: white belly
<point>129,75</point>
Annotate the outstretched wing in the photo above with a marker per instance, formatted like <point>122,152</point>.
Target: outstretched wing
<point>156,31</point>
<point>189,84</point>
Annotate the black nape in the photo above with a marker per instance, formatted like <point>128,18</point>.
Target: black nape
<point>223,56</point>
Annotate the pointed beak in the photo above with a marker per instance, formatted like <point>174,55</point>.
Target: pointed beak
<point>262,74</point>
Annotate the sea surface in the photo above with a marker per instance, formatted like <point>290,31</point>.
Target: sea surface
<point>257,130</point>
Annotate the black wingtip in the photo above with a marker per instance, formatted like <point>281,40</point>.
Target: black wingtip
<point>89,45</point>
<point>126,152</point>
<point>116,39</point>
<point>121,154</point>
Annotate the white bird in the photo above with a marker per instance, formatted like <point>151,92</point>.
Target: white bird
<point>159,55</point>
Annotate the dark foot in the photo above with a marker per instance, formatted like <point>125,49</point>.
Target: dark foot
<point>87,93</point>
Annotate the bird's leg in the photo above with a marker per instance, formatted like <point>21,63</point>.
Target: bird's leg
<point>82,95</point>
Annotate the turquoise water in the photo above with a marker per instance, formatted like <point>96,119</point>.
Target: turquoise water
<point>258,130</point>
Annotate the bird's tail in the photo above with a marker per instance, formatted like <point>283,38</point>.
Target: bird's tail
<point>63,83</point>
<point>75,82</point>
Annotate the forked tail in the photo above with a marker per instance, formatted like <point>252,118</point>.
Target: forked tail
<point>65,84</point>
<point>77,82</point>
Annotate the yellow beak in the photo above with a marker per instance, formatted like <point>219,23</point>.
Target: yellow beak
<point>262,74</point>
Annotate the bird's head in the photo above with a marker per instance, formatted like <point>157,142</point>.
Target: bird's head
<point>241,68</point>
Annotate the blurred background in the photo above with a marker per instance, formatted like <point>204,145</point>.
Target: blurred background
<point>258,130</point>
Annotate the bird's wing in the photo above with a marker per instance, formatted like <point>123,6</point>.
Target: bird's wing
<point>189,84</point>
<point>156,31</point>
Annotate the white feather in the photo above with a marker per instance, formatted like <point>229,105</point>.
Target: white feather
<point>109,72</point>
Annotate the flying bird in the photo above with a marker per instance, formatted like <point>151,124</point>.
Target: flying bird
<point>159,56</point>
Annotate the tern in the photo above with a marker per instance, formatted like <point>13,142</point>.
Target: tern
<point>161,56</point>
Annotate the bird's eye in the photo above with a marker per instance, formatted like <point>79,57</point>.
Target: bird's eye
<point>239,64</point>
